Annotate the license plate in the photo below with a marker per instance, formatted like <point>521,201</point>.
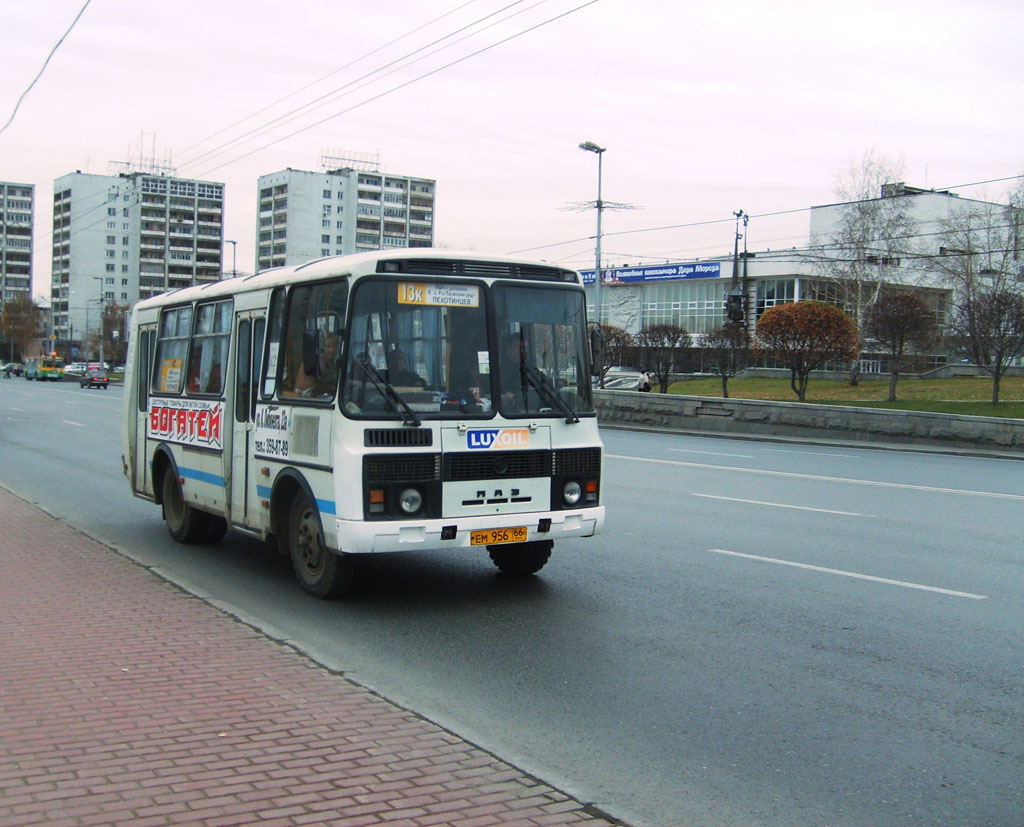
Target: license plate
<point>494,536</point>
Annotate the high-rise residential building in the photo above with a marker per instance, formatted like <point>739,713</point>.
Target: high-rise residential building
<point>127,237</point>
<point>16,211</point>
<point>308,215</point>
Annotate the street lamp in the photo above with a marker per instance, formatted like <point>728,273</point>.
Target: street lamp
<point>234,256</point>
<point>590,146</point>
<point>100,280</point>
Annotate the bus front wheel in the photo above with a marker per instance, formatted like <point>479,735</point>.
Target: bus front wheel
<point>521,558</point>
<point>185,523</point>
<point>320,571</point>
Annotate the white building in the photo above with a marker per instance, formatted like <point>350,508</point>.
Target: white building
<point>306,215</point>
<point>693,294</point>
<point>127,237</point>
<point>16,221</point>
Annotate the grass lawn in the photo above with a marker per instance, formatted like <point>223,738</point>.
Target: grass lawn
<point>969,395</point>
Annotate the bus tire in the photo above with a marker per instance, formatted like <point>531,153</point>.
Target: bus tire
<point>521,559</point>
<point>215,528</point>
<point>185,523</point>
<point>322,572</point>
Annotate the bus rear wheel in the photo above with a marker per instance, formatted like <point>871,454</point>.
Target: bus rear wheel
<point>185,523</point>
<point>321,572</point>
<point>521,559</point>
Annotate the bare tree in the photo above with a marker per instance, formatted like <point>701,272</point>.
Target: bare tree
<point>728,351</point>
<point>661,346</point>
<point>981,257</point>
<point>994,321</point>
<point>19,323</point>
<point>873,234</point>
<point>619,346</point>
<point>901,321</point>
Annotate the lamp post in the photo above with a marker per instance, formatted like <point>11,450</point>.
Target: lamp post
<point>234,256</point>
<point>590,146</point>
<point>100,280</point>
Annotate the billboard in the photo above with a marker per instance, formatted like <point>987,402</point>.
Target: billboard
<point>657,272</point>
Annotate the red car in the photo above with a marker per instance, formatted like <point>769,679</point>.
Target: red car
<point>94,379</point>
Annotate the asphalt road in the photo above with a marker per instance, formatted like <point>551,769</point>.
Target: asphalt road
<point>764,633</point>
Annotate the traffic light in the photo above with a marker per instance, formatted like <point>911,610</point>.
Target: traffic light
<point>734,310</point>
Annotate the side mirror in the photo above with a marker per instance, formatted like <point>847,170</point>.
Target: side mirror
<point>596,350</point>
<point>312,349</point>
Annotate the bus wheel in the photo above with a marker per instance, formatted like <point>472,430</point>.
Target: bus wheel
<point>215,528</point>
<point>320,571</point>
<point>185,523</point>
<point>521,558</point>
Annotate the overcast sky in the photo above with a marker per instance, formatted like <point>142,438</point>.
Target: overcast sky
<point>704,108</point>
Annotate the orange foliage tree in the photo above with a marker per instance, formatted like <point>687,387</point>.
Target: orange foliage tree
<point>803,336</point>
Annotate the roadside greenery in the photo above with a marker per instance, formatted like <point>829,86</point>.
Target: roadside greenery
<point>966,395</point>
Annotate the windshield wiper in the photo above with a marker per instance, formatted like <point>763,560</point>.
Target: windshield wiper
<point>391,396</point>
<point>543,386</point>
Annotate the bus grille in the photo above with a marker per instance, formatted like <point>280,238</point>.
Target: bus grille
<point>578,461</point>
<point>481,465</point>
<point>398,437</point>
<point>380,468</point>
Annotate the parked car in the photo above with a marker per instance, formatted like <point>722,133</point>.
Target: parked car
<point>94,379</point>
<point>75,368</point>
<point>14,367</point>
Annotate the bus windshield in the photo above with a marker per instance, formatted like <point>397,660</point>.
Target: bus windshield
<point>421,350</point>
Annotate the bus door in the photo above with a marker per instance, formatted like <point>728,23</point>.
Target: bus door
<point>142,481</point>
<point>249,331</point>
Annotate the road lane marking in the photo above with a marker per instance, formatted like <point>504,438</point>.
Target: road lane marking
<point>781,505</point>
<point>712,453</point>
<point>77,424</point>
<point>852,574</point>
<point>812,453</point>
<point>906,485</point>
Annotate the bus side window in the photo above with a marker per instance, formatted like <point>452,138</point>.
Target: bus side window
<point>171,350</point>
<point>210,343</point>
<point>272,361</point>
<point>143,362</point>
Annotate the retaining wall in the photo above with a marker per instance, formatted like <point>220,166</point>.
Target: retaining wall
<point>798,419</point>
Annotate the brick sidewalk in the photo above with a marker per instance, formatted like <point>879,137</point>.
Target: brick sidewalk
<point>124,700</point>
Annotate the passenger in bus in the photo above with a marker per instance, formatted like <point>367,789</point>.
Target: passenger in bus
<point>399,375</point>
<point>324,384</point>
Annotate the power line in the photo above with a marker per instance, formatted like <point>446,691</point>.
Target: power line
<point>403,85</point>
<point>348,65</point>
<point>45,64</point>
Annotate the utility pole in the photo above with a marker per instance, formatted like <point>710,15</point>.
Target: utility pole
<point>590,146</point>
<point>734,299</point>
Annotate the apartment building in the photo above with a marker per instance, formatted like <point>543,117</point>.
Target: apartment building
<point>16,213</point>
<point>127,237</point>
<point>305,215</point>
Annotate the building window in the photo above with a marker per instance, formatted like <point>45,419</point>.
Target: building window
<point>325,239</point>
<point>327,193</point>
<point>111,268</point>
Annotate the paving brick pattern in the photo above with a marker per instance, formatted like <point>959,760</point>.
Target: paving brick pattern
<point>124,700</point>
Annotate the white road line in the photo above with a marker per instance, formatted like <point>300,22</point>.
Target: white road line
<point>712,453</point>
<point>77,424</point>
<point>853,574</point>
<point>19,410</point>
<point>781,505</point>
<point>812,453</point>
<point>849,480</point>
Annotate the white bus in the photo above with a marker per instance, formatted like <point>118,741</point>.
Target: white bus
<point>390,401</point>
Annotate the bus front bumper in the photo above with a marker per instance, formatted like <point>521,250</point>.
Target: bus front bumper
<point>359,537</point>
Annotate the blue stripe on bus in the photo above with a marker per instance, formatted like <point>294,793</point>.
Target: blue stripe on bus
<point>202,476</point>
<point>325,506</point>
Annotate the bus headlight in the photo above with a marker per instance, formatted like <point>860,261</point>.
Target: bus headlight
<point>410,500</point>
<point>571,492</point>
